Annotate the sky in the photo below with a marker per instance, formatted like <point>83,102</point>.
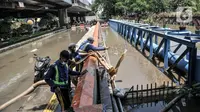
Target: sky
<point>90,1</point>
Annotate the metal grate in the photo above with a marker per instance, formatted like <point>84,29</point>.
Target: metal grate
<point>137,95</point>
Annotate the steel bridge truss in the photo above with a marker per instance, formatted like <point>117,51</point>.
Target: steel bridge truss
<point>146,36</point>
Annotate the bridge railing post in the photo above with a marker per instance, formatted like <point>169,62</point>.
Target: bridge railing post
<point>135,36</point>
<point>132,37</point>
<point>166,49</point>
<point>129,33</point>
<point>141,40</point>
<point>120,29</point>
<point>156,39</point>
<point>146,42</point>
<point>138,38</point>
<point>124,29</point>
<point>126,32</point>
<point>192,66</point>
<point>151,46</point>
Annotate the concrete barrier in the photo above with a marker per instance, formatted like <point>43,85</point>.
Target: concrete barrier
<point>84,94</point>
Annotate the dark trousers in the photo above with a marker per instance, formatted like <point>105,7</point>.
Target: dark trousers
<point>63,96</point>
<point>79,69</point>
<point>69,83</point>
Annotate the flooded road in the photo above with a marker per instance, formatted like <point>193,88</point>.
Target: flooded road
<point>135,69</point>
<point>17,65</point>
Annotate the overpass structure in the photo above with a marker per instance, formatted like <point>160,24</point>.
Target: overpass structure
<point>37,8</point>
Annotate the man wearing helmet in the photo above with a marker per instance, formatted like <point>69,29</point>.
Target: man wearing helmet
<point>72,49</point>
<point>74,57</point>
<point>82,52</point>
<point>88,46</point>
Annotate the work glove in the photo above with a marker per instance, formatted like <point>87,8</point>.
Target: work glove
<point>106,48</point>
<point>92,53</point>
<point>72,63</point>
<point>84,72</point>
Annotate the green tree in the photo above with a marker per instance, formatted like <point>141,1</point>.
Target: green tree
<point>107,7</point>
<point>174,4</point>
<point>143,8</point>
<point>157,6</point>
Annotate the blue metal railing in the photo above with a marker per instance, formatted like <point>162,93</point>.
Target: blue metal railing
<point>179,46</point>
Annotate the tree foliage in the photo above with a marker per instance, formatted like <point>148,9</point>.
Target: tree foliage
<point>141,7</point>
<point>106,6</point>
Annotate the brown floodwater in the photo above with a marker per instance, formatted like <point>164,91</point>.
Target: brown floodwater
<point>138,70</point>
<point>135,68</point>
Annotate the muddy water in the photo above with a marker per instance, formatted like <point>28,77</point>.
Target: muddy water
<point>135,69</point>
<point>16,66</point>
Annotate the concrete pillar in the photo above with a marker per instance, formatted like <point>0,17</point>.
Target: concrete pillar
<point>63,17</point>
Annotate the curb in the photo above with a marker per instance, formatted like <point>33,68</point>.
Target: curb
<point>30,40</point>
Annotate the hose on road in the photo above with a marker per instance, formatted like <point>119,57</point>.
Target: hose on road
<point>29,90</point>
<point>32,88</point>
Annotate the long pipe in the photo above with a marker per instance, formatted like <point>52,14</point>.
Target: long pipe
<point>29,90</point>
<point>172,103</point>
<point>119,104</point>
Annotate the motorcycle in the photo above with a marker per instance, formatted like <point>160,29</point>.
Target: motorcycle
<point>42,65</point>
